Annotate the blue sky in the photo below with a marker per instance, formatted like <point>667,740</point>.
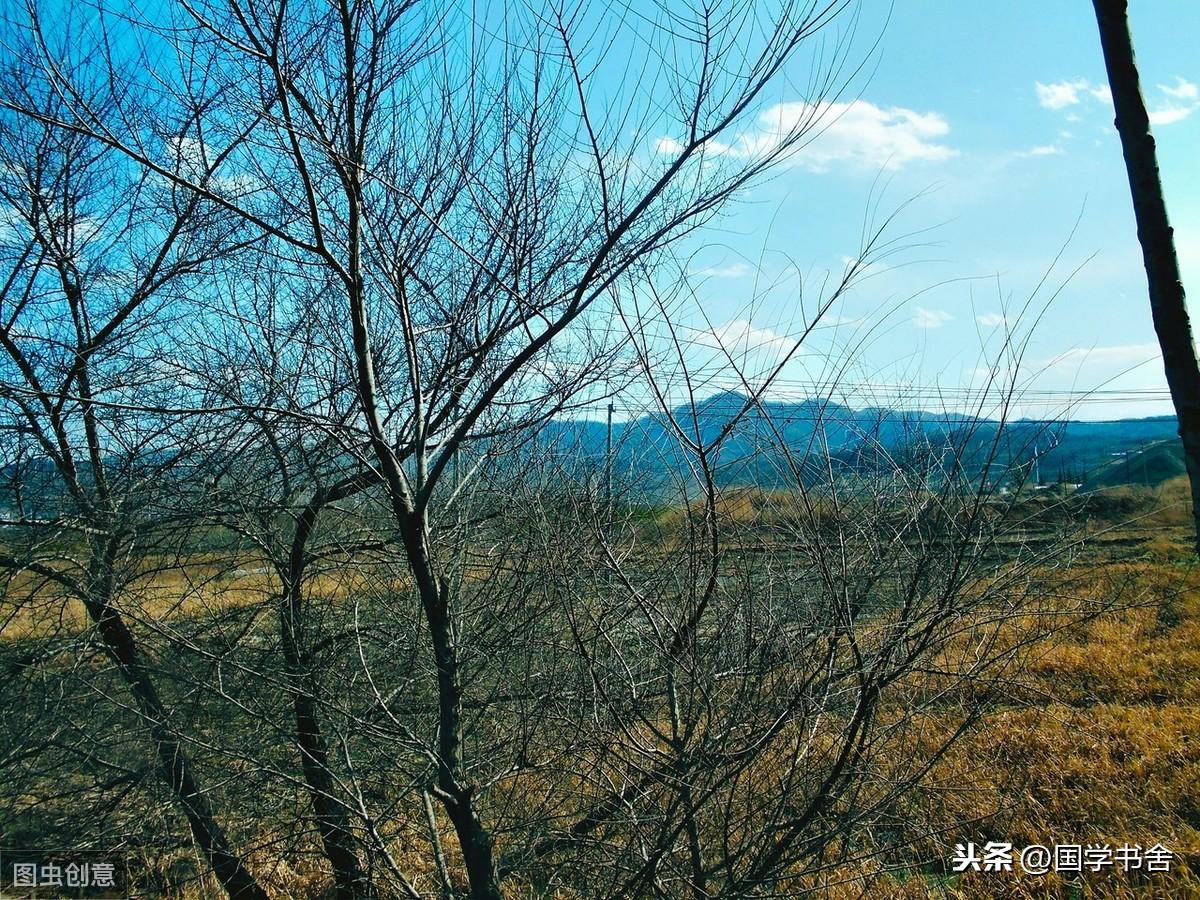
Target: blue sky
<point>994,117</point>
<point>989,123</point>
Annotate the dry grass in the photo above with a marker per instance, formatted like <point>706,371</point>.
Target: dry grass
<point>1101,744</point>
<point>198,587</point>
<point>1097,742</point>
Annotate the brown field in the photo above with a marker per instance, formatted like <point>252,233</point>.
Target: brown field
<point>1100,745</point>
<point>1096,742</point>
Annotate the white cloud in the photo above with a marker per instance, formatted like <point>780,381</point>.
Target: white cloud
<point>1060,94</point>
<point>862,269</point>
<point>1181,90</point>
<point>1178,101</point>
<point>1043,150</point>
<point>668,146</point>
<point>1119,357</point>
<point>991,319</point>
<point>189,154</point>
<point>866,135</point>
<point>734,270</point>
<point>930,318</point>
<point>193,159</point>
<point>1169,115</point>
<point>739,337</point>
<point>857,134</point>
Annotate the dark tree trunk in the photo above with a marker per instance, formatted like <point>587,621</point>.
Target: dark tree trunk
<point>455,793</point>
<point>173,763</point>
<point>337,839</point>
<point>1167,302</point>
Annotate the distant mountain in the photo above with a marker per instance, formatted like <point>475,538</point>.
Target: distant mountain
<point>771,441</point>
<point>824,433</point>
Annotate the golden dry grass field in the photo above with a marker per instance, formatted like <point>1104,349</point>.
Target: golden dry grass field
<point>1101,743</point>
<point>1097,740</point>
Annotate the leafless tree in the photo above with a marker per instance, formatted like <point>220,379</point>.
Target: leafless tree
<point>1168,304</point>
<point>457,210</point>
<point>85,287</point>
<point>402,247</point>
<point>750,669</point>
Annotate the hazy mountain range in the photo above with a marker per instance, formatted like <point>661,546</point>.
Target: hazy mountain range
<point>1092,453</point>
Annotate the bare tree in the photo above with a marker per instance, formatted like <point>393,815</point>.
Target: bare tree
<point>457,211</point>
<point>751,669</point>
<point>1168,304</point>
<point>438,655</point>
<point>84,286</point>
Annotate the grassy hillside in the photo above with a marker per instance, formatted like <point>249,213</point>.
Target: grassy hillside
<point>1151,465</point>
<point>1096,743</point>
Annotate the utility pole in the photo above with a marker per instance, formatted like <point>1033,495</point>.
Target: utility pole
<point>608,474</point>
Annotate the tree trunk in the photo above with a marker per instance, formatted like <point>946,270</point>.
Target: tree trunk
<point>173,763</point>
<point>332,823</point>
<point>456,795</point>
<point>1167,301</point>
